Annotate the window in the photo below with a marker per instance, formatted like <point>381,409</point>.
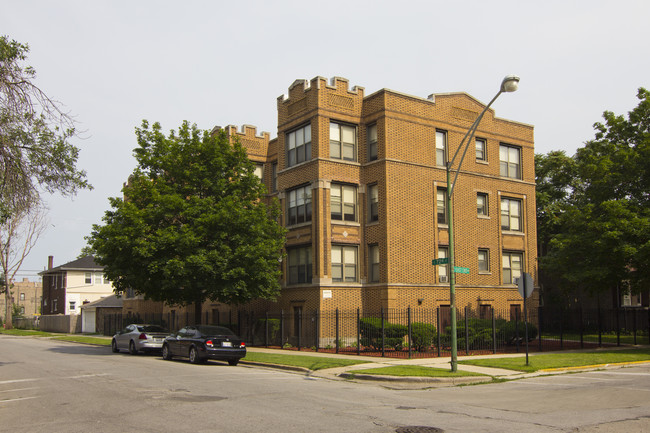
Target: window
<point>299,146</point>
<point>481,149</point>
<point>373,203</point>
<point>98,277</point>
<point>512,263</point>
<point>443,270</point>
<point>72,305</point>
<point>510,161</point>
<point>344,264</point>
<point>481,204</point>
<point>441,205</point>
<point>299,205</point>
<point>274,177</point>
<point>297,320</point>
<point>22,296</point>
<point>372,142</point>
<point>343,202</point>
<point>441,148</point>
<point>373,263</point>
<point>515,312</point>
<point>259,171</point>
<point>88,278</point>
<point>299,265</point>
<point>511,214</point>
<point>343,142</point>
<point>483,260</point>
<point>106,280</point>
<point>54,305</point>
<point>22,310</point>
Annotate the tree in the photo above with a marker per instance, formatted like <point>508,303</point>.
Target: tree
<point>193,225</point>
<point>601,239</point>
<point>35,151</point>
<point>18,235</point>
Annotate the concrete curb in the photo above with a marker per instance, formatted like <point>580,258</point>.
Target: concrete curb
<point>417,379</point>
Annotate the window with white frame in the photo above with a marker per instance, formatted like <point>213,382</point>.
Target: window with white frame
<point>99,276</point>
<point>441,205</point>
<point>373,263</point>
<point>481,204</point>
<point>510,161</point>
<point>343,141</point>
<point>88,278</point>
<point>73,305</point>
<point>483,260</point>
<point>373,202</point>
<point>343,202</point>
<point>481,149</point>
<point>299,205</point>
<point>299,145</point>
<point>372,141</point>
<point>344,263</point>
<point>443,270</point>
<point>441,148</point>
<point>22,296</point>
<point>511,214</point>
<point>299,265</point>
<point>512,267</point>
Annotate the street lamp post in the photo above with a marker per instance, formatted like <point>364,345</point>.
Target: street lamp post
<point>509,84</point>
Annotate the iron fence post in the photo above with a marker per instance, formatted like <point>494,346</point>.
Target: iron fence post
<point>494,332</point>
<point>358,331</point>
<point>439,331</point>
<point>409,332</point>
<point>618,326</point>
<point>383,333</point>
<point>466,333</point>
<point>539,327</point>
<point>336,342</point>
<point>317,330</point>
<point>299,328</point>
<point>634,327</point>
<point>281,329</point>
<point>266,329</point>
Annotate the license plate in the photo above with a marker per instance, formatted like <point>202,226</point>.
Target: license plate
<point>226,344</point>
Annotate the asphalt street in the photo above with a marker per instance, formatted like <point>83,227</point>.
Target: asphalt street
<point>55,386</point>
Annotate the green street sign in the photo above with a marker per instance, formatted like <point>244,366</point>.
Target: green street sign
<point>437,262</point>
<point>461,270</point>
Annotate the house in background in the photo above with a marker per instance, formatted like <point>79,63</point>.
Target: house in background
<point>27,295</point>
<point>67,287</point>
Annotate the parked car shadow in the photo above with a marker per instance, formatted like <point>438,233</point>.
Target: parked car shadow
<point>81,349</point>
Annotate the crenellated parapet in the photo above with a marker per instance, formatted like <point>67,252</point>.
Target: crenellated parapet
<point>319,93</point>
<point>257,145</point>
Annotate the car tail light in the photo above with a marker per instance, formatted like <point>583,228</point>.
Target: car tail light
<point>242,344</point>
<point>142,336</point>
<point>209,343</point>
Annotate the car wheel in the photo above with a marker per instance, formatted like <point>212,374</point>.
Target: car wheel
<point>194,356</point>
<point>233,362</point>
<point>132,349</point>
<point>114,346</point>
<point>166,354</point>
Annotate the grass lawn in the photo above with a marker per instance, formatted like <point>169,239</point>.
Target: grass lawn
<point>311,362</point>
<point>25,332</point>
<point>413,370</point>
<point>85,339</point>
<point>563,360</point>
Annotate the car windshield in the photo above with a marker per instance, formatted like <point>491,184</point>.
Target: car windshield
<point>214,330</point>
<point>151,328</point>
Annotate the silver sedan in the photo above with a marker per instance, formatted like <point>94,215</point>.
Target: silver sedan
<point>139,338</point>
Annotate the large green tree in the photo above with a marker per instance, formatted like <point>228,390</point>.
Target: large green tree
<point>599,239</point>
<point>193,225</point>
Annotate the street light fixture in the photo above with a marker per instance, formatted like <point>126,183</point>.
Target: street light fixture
<point>509,84</point>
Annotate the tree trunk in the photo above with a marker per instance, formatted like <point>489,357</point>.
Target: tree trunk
<point>8,304</point>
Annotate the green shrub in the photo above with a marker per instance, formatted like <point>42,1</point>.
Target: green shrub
<point>422,335</point>
<point>371,333</point>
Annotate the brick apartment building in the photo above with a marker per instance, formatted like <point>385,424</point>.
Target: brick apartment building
<point>362,184</point>
<point>27,296</point>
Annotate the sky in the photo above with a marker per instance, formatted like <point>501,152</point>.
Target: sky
<point>114,63</point>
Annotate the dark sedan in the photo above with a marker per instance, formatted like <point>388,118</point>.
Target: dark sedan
<point>202,342</point>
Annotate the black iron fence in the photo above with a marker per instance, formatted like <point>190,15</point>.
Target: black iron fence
<point>416,332</point>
